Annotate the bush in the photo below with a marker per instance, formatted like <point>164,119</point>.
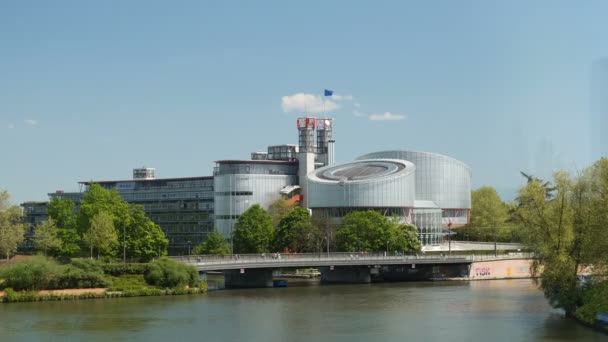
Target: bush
<point>88,265</point>
<point>40,273</point>
<point>168,273</point>
<point>76,278</point>
<point>36,273</point>
<point>128,282</point>
<point>116,269</point>
<point>595,300</point>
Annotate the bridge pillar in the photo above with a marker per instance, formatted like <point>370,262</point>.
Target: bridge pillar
<point>251,278</point>
<point>346,274</point>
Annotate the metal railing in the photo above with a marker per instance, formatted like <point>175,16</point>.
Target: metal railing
<point>278,259</point>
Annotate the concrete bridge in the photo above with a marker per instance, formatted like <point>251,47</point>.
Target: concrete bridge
<point>256,270</point>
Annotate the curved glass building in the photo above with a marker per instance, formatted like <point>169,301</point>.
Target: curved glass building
<point>440,179</point>
<point>386,185</point>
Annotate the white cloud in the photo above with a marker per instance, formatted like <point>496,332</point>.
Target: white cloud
<point>30,122</point>
<point>358,113</point>
<point>357,105</point>
<point>342,97</point>
<point>11,126</point>
<point>387,116</point>
<point>307,103</point>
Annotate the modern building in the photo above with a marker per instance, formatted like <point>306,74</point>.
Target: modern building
<point>241,183</point>
<point>182,207</point>
<point>443,180</point>
<point>427,189</point>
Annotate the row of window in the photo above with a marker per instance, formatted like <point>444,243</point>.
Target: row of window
<point>227,217</point>
<point>234,193</point>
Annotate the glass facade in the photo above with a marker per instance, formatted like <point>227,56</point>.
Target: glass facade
<point>428,221</point>
<point>182,207</point>
<point>241,184</point>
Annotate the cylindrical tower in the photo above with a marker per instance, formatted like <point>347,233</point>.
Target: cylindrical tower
<point>306,156</point>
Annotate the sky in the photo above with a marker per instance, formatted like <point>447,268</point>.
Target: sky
<point>90,90</point>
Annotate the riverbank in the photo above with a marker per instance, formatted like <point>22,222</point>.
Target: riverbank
<point>43,279</point>
<point>11,296</point>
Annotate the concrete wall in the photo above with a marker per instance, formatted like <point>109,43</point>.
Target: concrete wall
<point>501,269</point>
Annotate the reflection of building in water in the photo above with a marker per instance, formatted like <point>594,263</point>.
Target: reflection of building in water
<point>599,109</point>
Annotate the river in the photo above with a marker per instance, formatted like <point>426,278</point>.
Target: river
<point>502,310</point>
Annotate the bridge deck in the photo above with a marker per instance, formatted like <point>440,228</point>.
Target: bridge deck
<point>231,262</point>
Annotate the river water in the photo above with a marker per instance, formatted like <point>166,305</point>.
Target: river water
<point>502,310</point>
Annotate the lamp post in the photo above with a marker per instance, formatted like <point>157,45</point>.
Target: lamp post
<point>450,238</point>
<point>327,238</point>
<point>124,245</point>
<point>188,248</point>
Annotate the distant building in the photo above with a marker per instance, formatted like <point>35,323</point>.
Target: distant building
<point>182,207</point>
<point>427,189</point>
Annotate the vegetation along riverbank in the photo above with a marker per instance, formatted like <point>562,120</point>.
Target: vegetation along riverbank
<point>40,278</point>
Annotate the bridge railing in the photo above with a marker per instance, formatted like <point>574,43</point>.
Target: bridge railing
<point>286,257</point>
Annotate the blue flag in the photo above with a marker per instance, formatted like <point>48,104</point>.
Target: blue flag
<point>329,92</point>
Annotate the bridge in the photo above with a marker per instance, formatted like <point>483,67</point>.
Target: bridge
<point>255,270</point>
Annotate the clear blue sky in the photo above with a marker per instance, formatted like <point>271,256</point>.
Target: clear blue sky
<point>91,89</point>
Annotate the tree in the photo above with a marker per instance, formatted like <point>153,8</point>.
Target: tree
<point>279,209</point>
<point>253,232</point>
<point>370,231</point>
<point>46,236</point>
<point>101,235</point>
<point>215,243</point>
<point>565,227</point>
<point>11,229</point>
<point>296,233</point>
<point>143,238</point>
<point>490,218</point>
<point>405,238</point>
<point>63,214</point>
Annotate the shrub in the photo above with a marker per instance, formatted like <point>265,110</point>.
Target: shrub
<point>36,273</point>
<point>169,273</point>
<point>128,282</point>
<point>73,277</point>
<point>595,300</point>
<point>88,265</point>
<point>116,269</point>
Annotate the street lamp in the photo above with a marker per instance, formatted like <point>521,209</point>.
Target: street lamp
<point>188,248</point>
<point>124,245</point>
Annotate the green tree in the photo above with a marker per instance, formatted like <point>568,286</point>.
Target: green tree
<point>405,238</point>
<point>11,229</point>
<point>65,217</point>
<point>279,209</point>
<point>253,232</point>
<point>565,227</point>
<point>370,231</point>
<point>490,218</point>
<point>296,233</point>
<point>215,243</point>
<point>144,238</point>
<point>46,236</point>
<point>101,235</point>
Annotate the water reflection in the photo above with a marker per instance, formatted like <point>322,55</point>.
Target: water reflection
<point>474,311</point>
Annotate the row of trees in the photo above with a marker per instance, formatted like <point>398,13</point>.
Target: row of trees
<point>103,225</point>
<point>291,229</point>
